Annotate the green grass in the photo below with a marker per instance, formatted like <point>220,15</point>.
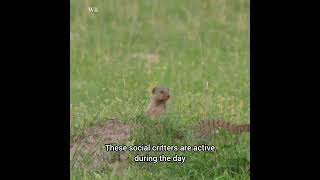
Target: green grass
<point>203,57</point>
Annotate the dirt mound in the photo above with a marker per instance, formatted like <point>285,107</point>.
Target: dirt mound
<point>88,151</point>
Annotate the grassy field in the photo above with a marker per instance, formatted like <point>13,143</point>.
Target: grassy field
<point>199,49</point>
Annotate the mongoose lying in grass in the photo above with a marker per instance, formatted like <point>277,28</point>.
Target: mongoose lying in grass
<point>205,127</point>
<point>157,106</point>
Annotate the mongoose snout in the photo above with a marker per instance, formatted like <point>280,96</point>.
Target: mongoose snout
<point>164,96</point>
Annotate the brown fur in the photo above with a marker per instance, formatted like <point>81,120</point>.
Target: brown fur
<point>205,127</point>
<point>158,100</point>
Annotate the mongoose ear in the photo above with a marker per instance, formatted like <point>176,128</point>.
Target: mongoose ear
<point>154,90</point>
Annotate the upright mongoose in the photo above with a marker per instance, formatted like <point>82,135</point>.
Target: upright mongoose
<point>158,100</point>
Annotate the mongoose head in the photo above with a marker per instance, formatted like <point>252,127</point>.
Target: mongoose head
<point>161,94</point>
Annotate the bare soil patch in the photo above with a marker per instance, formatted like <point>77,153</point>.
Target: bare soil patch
<point>88,151</point>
